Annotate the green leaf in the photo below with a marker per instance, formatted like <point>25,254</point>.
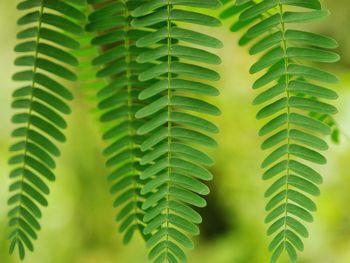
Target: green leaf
<point>297,107</point>
<point>173,121</point>
<point>41,103</point>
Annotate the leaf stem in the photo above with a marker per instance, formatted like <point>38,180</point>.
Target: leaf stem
<point>31,99</point>
<point>287,80</point>
<point>169,94</point>
<point>130,105</point>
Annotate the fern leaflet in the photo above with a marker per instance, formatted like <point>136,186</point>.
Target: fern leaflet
<point>118,101</point>
<point>232,10</point>
<point>172,162</point>
<point>290,106</point>
<point>42,102</point>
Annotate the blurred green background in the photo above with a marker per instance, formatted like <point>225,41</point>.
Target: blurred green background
<point>78,226</point>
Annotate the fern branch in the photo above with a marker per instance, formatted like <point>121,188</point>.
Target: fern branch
<point>41,103</point>
<point>118,103</point>
<point>172,163</point>
<point>296,134</point>
<point>231,11</point>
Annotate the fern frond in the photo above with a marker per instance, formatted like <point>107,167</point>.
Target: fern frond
<point>293,132</point>
<point>41,101</point>
<point>118,101</point>
<point>173,159</point>
<point>232,10</point>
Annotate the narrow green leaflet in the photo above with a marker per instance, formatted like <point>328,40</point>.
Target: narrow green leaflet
<point>41,103</point>
<point>294,94</point>
<point>261,18</point>
<point>118,102</point>
<point>173,123</point>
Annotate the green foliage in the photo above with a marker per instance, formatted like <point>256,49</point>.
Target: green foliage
<point>87,82</point>
<point>295,108</point>
<point>118,102</point>
<point>41,102</point>
<point>152,81</point>
<point>232,11</point>
<point>173,160</point>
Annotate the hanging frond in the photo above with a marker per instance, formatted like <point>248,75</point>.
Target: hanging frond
<point>118,101</point>
<point>173,160</point>
<point>41,101</point>
<point>290,104</point>
<point>231,11</point>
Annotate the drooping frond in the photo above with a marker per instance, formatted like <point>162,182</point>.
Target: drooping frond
<point>118,101</point>
<point>174,162</point>
<point>231,11</point>
<point>41,101</point>
<point>293,93</point>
